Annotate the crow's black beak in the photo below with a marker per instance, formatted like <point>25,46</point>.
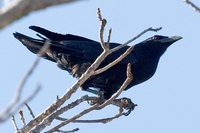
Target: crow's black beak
<point>171,39</point>
<point>175,38</point>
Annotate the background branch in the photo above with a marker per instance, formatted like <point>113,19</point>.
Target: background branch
<point>195,7</point>
<point>9,110</point>
<point>7,113</point>
<point>20,8</point>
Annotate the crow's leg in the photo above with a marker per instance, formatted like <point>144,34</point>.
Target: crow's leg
<point>126,104</point>
<point>97,92</point>
<point>93,91</point>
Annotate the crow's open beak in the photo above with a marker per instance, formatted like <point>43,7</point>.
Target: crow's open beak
<point>171,39</point>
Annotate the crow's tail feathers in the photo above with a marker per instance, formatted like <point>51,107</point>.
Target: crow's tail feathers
<point>50,35</point>
<point>34,45</point>
<point>57,43</point>
<point>58,37</point>
<point>55,47</point>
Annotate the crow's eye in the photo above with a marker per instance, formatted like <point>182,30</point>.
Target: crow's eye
<point>155,38</point>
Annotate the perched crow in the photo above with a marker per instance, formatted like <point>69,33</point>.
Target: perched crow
<point>75,54</point>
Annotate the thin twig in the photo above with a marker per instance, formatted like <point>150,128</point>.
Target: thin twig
<point>51,117</point>
<point>21,115</point>
<point>195,7</point>
<point>127,51</point>
<point>104,120</point>
<point>30,110</point>
<point>8,111</point>
<point>72,131</point>
<point>121,57</point>
<point>19,89</point>
<point>101,31</point>
<point>14,123</point>
<point>96,106</point>
<point>124,85</point>
<point>89,72</point>
<point>28,99</point>
<point>136,37</point>
<point>73,118</point>
<point>99,14</point>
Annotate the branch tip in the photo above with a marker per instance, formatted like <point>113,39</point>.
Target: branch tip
<point>99,14</point>
<point>194,6</point>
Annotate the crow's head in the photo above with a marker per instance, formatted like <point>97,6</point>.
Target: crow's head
<point>157,45</point>
<point>163,40</point>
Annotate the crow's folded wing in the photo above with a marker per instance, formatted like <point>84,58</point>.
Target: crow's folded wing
<point>77,46</point>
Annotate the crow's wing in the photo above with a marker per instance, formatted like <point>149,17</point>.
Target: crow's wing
<point>56,36</point>
<point>90,50</point>
<point>77,46</point>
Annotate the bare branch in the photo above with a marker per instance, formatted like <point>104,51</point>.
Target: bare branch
<point>121,46</point>
<point>21,115</point>
<point>104,120</point>
<point>53,111</point>
<point>124,85</point>
<point>121,57</point>
<point>19,8</point>
<point>54,115</point>
<point>109,36</point>
<point>7,113</point>
<point>133,39</point>
<point>14,123</point>
<point>30,110</point>
<point>99,14</point>
<point>73,118</point>
<point>89,72</point>
<point>195,7</point>
<point>28,99</point>
<point>101,31</point>
<point>72,131</point>
<point>96,106</point>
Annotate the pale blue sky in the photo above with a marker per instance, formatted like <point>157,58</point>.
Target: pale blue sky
<point>167,103</point>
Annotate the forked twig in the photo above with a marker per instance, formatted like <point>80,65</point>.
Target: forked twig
<point>96,106</point>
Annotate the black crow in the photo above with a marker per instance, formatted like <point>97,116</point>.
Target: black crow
<point>75,54</point>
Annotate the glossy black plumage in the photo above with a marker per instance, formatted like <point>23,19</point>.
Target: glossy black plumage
<point>75,54</point>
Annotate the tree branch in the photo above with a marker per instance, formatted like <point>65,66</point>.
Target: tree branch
<point>96,106</point>
<point>53,111</point>
<point>54,115</point>
<point>134,38</point>
<point>104,120</point>
<point>89,72</point>
<point>121,57</point>
<point>195,7</point>
<point>7,113</point>
<point>124,85</point>
<point>20,8</point>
